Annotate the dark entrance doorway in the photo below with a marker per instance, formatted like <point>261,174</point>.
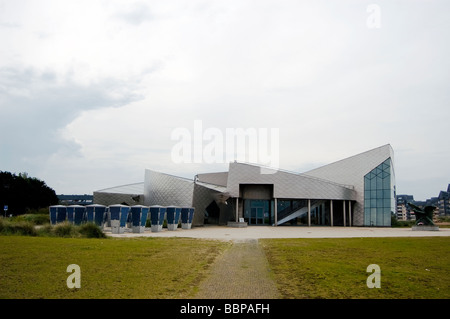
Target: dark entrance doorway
<point>212,213</point>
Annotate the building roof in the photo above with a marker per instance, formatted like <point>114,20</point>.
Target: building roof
<point>135,189</point>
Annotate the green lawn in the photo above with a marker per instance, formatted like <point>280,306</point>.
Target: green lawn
<point>35,267</point>
<point>336,268</point>
<point>168,268</point>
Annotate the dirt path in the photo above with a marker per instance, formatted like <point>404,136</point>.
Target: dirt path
<point>242,272</point>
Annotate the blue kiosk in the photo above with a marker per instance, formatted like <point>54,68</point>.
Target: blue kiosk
<point>76,214</point>
<point>95,213</point>
<point>157,214</point>
<point>119,216</point>
<point>173,217</point>
<point>139,216</point>
<point>187,215</point>
<point>58,214</point>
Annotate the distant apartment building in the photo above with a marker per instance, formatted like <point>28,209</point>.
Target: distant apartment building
<point>443,202</point>
<point>403,211</point>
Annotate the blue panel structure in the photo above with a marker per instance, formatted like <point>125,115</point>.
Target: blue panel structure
<point>184,215</point>
<point>157,214</point>
<point>119,216</point>
<point>79,215</point>
<point>96,214</point>
<point>100,214</point>
<point>90,214</point>
<point>173,217</point>
<point>61,214</point>
<point>76,214</point>
<point>53,211</point>
<point>58,214</point>
<point>191,214</point>
<point>70,212</point>
<point>187,215</point>
<point>139,215</point>
<point>136,212</point>
<point>124,210</point>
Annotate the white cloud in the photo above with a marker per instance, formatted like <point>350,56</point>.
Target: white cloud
<point>117,77</point>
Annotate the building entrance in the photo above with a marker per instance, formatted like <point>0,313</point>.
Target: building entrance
<point>258,211</point>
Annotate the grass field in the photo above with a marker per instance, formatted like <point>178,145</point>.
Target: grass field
<point>336,268</point>
<point>36,267</point>
<point>169,268</point>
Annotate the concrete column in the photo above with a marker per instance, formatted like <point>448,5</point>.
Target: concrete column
<point>309,212</point>
<point>237,209</point>
<point>275,211</point>
<point>343,205</point>
<point>322,208</point>
<point>350,213</point>
<point>331,212</point>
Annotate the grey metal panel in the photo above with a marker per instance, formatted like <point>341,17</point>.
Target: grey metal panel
<point>202,197</point>
<point>214,178</point>
<point>165,190</point>
<point>217,188</point>
<point>286,185</point>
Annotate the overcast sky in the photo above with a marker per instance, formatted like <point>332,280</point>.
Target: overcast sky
<point>91,91</point>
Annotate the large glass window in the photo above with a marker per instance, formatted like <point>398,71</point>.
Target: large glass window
<point>379,195</point>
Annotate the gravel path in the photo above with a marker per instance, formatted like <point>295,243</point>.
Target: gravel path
<point>242,272</point>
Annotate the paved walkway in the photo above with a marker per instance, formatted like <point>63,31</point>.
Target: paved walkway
<point>242,272</point>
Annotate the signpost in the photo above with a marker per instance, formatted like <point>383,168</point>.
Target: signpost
<point>5,208</point>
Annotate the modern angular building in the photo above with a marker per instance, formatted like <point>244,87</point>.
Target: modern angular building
<point>356,191</point>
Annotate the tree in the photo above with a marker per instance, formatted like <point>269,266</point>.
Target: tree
<point>21,192</point>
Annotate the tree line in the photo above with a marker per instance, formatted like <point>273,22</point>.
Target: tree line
<point>22,193</point>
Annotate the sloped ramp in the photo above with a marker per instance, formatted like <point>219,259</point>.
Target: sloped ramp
<point>299,212</point>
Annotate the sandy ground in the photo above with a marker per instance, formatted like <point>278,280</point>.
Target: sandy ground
<point>256,232</point>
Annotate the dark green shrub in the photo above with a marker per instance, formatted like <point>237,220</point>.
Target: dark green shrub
<point>91,230</point>
<point>37,219</point>
<point>65,230</point>
<point>45,230</point>
<point>401,223</point>
<point>22,225</point>
<point>17,228</point>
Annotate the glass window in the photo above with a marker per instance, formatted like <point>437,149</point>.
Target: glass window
<point>373,202</point>
<point>379,182</point>
<point>373,183</point>
<point>380,202</point>
<point>379,195</point>
<point>373,216</point>
<point>386,183</point>
<point>387,203</point>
